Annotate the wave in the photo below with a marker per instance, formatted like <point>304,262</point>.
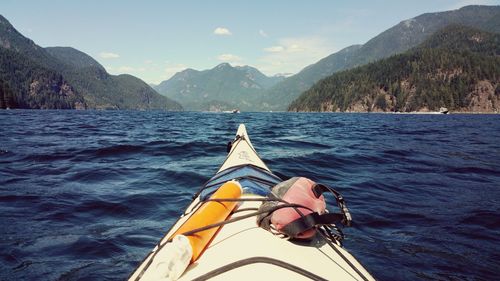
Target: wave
<point>105,186</point>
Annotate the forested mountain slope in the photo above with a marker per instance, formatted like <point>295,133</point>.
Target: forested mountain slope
<point>457,68</point>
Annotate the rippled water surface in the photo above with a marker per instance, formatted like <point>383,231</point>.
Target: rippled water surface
<point>86,194</point>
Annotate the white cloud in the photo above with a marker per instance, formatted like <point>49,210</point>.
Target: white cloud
<point>222,31</point>
<point>229,58</point>
<point>295,48</point>
<point>108,55</point>
<point>293,45</point>
<point>263,33</point>
<point>274,49</point>
<point>290,55</point>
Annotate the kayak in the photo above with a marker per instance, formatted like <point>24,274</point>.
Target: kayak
<point>218,237</point>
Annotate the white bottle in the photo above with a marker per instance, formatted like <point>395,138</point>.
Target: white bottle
<point>171,260</point>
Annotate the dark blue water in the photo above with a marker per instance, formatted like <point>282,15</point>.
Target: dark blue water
<point>86,195</point>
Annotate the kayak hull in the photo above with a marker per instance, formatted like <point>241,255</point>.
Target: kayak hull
<point>243,240</point>
<point>241,250</point>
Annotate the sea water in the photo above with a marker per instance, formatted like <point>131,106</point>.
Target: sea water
<point>87,194</point>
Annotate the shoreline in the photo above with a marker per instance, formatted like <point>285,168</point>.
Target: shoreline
<point>202,111</point>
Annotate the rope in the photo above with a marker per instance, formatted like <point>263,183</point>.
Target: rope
<point>269,211</point>
<point>344,258</point>
<point>253,260</point>
<point>242,217</point>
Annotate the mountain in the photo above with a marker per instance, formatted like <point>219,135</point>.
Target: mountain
<point>258,77</point>
<point>223,87</point>
<point>73,59</point>
<point>457,68</point>
<point>28,75</point>
<point>105,91</point>
<point>400,38</point>
<point>65,78</point>
<point>279,96</point>
<point>25,83</point>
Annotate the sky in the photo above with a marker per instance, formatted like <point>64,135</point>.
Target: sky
<point>154,39</point>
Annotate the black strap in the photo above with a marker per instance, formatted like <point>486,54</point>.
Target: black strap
<point>230,144</point>
<point>318,189</point>
<point>298,226</point>
<point>254,260</point>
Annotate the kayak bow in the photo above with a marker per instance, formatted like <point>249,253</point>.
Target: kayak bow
<point>218,237</point>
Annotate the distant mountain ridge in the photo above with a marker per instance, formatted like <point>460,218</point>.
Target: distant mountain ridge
<point>73,58</point>
<point>62,77</point>
<point>400,38</point>
<point>457,68</point>
<point>29,77</point>
<point>105,91</point>
<point>65,78</point>
<point>223,87</point>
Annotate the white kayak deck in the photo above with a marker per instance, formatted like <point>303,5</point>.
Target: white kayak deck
<point>243,239</point>
<point>242,152</point>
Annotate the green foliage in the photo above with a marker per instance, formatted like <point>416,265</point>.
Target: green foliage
<point>438,73</point>
<point>396,40</point>
<point>6,96</point>
<point>380,102</point>
<point>27,84</point>
<point>104,91</point>
<point>64,78</point>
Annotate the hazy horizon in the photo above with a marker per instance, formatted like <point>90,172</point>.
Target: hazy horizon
<point>155,39</point>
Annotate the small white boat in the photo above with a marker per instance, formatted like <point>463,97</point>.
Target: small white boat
<point>218,238</point>
<point>443,110</point>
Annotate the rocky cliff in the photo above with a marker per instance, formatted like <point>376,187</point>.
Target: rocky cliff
<point>457,68</point>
